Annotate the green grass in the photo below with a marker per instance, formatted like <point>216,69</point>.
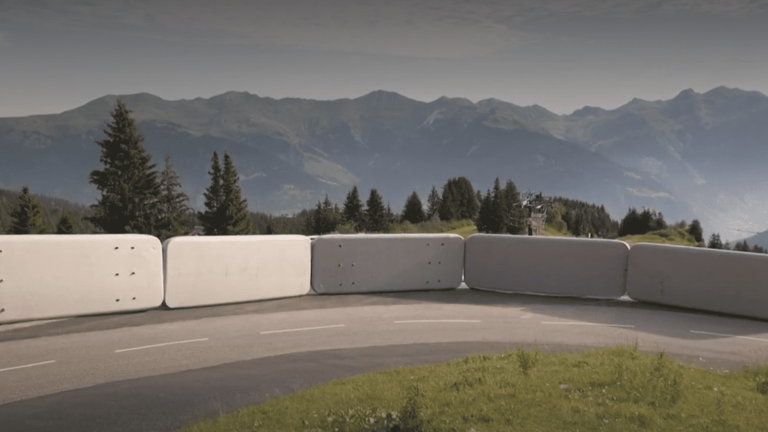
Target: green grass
<point>608,389</point>
<point>433,226</point>
<point>676,236</point>
<point>465,231</point>
<point>553,231</point>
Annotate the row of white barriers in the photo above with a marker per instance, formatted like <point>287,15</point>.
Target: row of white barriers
<point>53,276</point>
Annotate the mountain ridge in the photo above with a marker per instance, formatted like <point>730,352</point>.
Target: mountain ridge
<point>643,153</point>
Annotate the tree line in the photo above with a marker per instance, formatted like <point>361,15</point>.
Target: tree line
<point>136,198</point>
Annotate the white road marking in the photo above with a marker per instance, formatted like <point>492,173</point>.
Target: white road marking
<point>162,344</point>
<point>588,324</point>
<point>29,365</point>
<point>729,335</point>
<point>302,329</point>
<point>437,321</point>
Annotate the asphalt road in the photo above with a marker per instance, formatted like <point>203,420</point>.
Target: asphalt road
<point>160,369</point>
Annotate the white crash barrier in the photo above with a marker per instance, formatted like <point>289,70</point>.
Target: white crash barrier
<point>546,265</point>
<point>699,278</point>
<point>54,276</point>
<point>210,270</point>
<point>386,262</point>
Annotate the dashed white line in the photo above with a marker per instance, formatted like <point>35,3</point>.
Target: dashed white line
<point>301,329</point>
<point>730,335</point>
<point>162,344</point>
<point>437,321</point>
<point>29,365</point>
<point>587,324</point>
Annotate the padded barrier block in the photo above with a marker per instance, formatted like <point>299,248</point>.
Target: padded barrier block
<point>55,276</point>
<point>546,265</point>
<point>209,270</point>
<point>698,278</point>
<point>364,263</point>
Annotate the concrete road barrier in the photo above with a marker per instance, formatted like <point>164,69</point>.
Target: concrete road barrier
<point>54,276</point>
<point>699,278</point>
<point>386,262</point>
<point>546,265</point>
<point>210,270</point>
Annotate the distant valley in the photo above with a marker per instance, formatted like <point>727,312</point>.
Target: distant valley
<point>694,156</point>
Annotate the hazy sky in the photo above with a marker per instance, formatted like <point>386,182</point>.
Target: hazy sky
<point>562,54</point>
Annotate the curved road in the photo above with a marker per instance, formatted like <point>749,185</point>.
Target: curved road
<point>160,369</point>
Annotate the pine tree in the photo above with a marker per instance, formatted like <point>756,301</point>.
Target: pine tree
<point>715,242</point>
<point>695,230</point>
<point>211,219</point>
<point>375,213</point>
<point>499,211</point>
<point>327,217</point>
<point>174,213</point>
<point>27,216</point>
<point>128,185</point>
<point>353,209</point>
<point>433,203</point>
<point>413,211</point>
<point>65,225</point>
<point>517,219</point>
<point>483,221</point>
<point>234,208</point>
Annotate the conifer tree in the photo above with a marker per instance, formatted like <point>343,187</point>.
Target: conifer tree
<point>128,185</point>
<point>27,216</point>
<point>483,221</point>
<point>327,217</point>
<point>375,213</point>
<point>433,203</point>
<point>65,225</point>
<point>211,219</point>
<point>236,219</point>
<point>715,242</point>
<point>517,220</point>
<point>499,212</point>
<point>353,209</point>
<point>694,229</point>
<point>173,208</point>
<point>413,211</point>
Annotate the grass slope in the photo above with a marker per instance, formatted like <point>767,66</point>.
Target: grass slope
<point>608,389</point>
<point>675,236</point>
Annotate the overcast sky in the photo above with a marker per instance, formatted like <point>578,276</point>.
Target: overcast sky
<point>56,55</point>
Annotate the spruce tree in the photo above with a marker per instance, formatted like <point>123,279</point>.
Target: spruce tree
<point>375,213</point>
<point>211,219</point>
<point>353,209</point>
<point>173,208</point>
<point>715,242</point>
<point>499,211</point>
<point>483,221</point>
<point>694,229</point>
<point>234,208</point>
<point>129,188</point>
<point>517,220</point>
<point>27,216</point>
<point>65,225</point>
<point>433,203</point>
<point>413,211</point>
<point>327,217</point>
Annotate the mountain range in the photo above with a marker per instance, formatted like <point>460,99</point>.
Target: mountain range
<point>698,155</point>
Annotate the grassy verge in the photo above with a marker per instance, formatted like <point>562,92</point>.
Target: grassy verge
<point>676,236</point>
<point>610,389</point>
<point>433,226</point>
<point>465,231</point>
<point>553,231</point>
